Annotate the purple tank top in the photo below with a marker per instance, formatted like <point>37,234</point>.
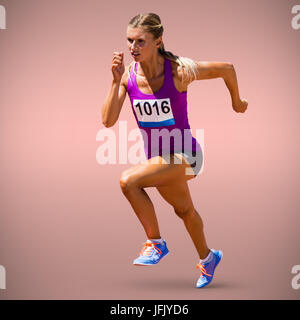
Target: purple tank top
<point>162,116</point>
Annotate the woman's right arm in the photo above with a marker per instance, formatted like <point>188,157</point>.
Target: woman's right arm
<point>114,100</point>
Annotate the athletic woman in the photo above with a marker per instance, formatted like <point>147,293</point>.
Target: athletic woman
<point>156,82</point>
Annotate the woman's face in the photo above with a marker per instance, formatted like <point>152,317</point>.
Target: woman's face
<point>141,43</point>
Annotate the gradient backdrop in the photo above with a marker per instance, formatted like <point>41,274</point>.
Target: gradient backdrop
<point>66,229</point>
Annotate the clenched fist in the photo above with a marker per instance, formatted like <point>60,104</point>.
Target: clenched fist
<point>240,106</point>
<point>118,67</point>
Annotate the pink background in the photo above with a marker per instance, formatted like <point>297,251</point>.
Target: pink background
<point>66,229</point>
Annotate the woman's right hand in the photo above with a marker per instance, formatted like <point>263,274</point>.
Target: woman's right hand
<point>118,67</point>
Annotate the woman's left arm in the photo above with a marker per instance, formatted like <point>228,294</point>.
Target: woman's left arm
<point>225,70</point>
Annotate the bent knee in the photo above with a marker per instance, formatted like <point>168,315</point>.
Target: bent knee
<point>127,182</point>
<point>185,212</point>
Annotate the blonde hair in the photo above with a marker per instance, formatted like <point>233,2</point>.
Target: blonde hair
<point>151,23</point>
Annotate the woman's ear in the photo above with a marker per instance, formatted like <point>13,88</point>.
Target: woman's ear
<point>159,42</point>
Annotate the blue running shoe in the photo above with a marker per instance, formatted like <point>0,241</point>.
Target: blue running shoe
<point>151,253</point>
<point>207,269</point>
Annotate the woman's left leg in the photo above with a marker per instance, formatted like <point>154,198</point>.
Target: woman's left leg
<point>178,196</point>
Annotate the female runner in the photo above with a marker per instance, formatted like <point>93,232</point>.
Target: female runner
<point>156,82</point>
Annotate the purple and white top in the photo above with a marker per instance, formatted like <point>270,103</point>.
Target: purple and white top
<point>162,116</point>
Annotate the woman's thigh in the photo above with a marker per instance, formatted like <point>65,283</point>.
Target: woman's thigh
<point>178,196</point>
<point>157,171</point>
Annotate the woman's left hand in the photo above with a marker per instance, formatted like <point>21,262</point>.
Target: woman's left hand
<point>240,105</point>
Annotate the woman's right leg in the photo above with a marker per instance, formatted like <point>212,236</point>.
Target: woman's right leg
<point>135,179</point>
<point>143,208</point>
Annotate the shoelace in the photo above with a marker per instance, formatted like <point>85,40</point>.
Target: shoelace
<point>148,247</point>
<point>202,269</point>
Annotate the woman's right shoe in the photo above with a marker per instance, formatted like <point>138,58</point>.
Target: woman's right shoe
<point>151,253</point>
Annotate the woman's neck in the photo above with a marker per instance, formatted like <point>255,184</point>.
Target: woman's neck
<point>151,68</point>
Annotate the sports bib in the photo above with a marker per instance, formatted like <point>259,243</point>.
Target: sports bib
<point>153,112</point>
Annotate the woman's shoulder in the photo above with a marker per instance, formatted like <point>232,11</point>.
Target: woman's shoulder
<point>179,76</point>
<point>124,79</point>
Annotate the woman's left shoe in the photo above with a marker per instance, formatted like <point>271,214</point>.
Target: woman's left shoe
<point>207,269</point>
